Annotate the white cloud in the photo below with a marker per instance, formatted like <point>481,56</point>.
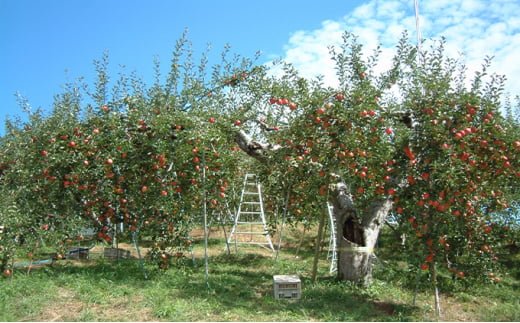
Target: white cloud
<point>477,28</point>
<point>365,11</point>
<point>309,50</point>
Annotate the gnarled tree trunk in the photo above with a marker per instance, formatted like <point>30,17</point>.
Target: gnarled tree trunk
<point>357,232</point>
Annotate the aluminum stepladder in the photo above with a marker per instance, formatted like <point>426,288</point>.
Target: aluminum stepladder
<point>250,224</point>
<point>331,253</point>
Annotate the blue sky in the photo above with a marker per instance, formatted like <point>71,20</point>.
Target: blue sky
<point>40,40</point>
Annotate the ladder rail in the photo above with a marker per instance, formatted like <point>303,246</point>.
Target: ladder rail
<point>266,229</point>
<point>332,252</point>
<point>233,230</point>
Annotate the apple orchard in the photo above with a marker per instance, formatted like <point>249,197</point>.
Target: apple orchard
<point>422,143</point>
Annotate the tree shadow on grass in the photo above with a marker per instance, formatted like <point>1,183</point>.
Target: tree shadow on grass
<point>240,283</point>
<point>120,271</point>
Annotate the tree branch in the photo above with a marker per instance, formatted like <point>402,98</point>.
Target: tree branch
<point>253,148</point>
<point>343,200</point>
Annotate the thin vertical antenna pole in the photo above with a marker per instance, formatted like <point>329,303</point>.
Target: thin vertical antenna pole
<point>418,25</point>
<point>419,38</point>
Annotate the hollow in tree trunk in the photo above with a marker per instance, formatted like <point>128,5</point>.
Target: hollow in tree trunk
<point>357,232</point>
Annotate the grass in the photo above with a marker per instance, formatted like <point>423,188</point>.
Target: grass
<point>239,288</point>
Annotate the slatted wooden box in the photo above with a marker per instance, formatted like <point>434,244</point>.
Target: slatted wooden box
<point>287,287</point>
<point>115,253</point>
<point>78,253</point>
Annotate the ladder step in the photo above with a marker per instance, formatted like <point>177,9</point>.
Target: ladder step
<point>251,233</point>
<point>253,203</point>
<point>253,243</point>
<point>249,212</point>
<point>242,222</point>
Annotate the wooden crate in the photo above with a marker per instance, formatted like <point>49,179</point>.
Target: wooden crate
<point>79,253</point>
<point>116,253</point>
<point>287,287</point>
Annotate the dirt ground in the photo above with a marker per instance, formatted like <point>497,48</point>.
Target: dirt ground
<point>215,236</point>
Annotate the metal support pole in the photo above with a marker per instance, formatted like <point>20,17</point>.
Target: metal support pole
<point>139,254</point>
<point>205,211</point>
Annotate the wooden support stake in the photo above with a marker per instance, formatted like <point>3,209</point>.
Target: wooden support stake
<point>318,243</point>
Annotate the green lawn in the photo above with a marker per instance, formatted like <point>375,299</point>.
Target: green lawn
<point>240,288</point>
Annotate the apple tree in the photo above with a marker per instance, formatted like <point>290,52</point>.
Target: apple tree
<point>126,160</point>
<point>421,140</point>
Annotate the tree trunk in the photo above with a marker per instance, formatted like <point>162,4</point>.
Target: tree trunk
<point>357,234</point>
